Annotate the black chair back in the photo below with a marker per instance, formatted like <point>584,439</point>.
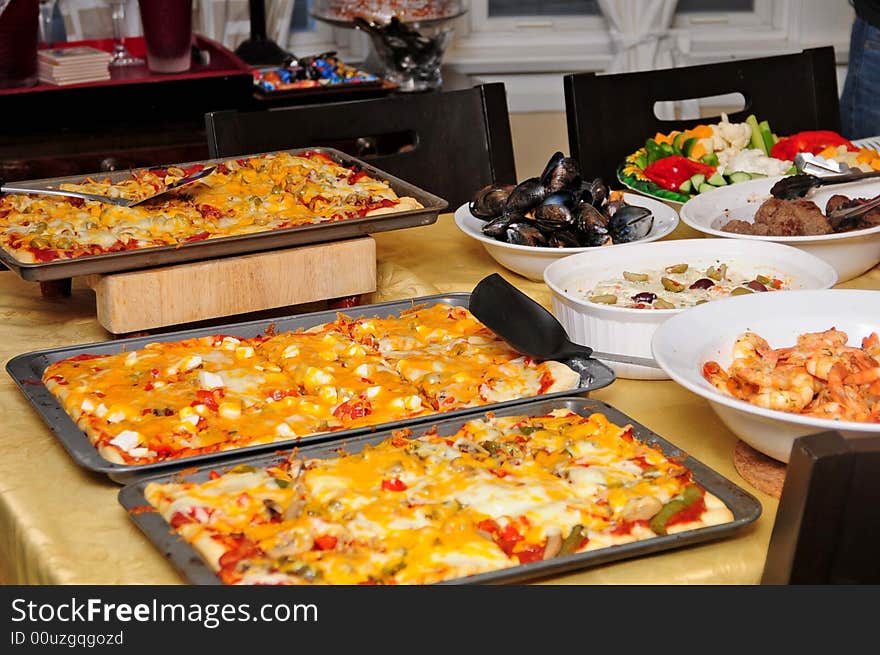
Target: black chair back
<point>827,528</point>
<point>611,116</point>
<point>449,143</point>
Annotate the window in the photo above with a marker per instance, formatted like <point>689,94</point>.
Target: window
<point>528,43</point>
<point>309,36</point>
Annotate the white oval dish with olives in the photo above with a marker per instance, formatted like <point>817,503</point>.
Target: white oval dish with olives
<point>623,326</point>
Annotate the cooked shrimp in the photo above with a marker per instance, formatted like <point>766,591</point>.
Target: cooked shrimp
<point>820,376</point>
<point>793,399</point>
<point>865,376</point>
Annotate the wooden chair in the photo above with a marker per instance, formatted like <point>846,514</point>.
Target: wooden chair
<point>827,528</point>
<point>610,116</point>
<point>449,143</point>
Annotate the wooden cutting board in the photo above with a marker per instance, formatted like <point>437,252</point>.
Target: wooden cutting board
<point>184,293</point>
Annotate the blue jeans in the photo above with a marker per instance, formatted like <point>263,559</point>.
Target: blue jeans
<point>860,102</point>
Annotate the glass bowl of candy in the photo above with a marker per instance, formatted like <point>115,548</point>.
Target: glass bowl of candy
<point>409,38</point>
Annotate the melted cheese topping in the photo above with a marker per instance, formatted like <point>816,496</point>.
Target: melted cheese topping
<point>222,392</point>
<point>241,196</point>
<point>498,493</point>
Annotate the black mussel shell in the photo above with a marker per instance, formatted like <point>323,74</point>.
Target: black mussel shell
<point>525,196</point>
<point>561,173</point>
<point>598,192</point>
<point>590,226</point>
<point>496,227</point>
<point>630,223</point>
<point>489,201</point>
<point>563,239</point>
<point>524,234</point>
<point>555,211</point>
<point>586,216</point>
<point>611,207</point>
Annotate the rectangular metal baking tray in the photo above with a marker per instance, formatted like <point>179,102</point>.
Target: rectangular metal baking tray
<point>744,506</point>
<point>231,245</point>
<point>27,371</point>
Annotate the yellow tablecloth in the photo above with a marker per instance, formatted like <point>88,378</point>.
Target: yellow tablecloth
<point>60,524</point>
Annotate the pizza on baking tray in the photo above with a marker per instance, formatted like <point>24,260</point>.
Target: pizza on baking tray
<point>498,493</point>
<point>242,196</point>
<point>178,399</point>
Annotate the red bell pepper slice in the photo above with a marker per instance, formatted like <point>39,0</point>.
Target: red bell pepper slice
<point>670,172</point>
<point>814,142</point>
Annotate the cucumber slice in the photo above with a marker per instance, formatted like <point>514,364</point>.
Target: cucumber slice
<point>705,187</point>
<point>739,176</point>
<point>710,158</point>
<point>688,145</point>
<point>667,149</point>
<point>717,179</point>
<point>685,187</point>
<point>697,180</point>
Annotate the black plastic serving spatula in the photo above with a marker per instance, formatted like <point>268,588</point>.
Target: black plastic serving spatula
<point>530,328</point>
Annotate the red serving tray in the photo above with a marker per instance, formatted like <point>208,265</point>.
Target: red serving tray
<point>223,62</point>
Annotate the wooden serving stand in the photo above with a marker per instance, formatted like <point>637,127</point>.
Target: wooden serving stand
<point>152,298</point>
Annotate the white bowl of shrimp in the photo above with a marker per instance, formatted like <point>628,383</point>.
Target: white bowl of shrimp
<point>779,366</point>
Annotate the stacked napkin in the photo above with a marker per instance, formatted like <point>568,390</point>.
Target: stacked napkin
<point>73,65</point>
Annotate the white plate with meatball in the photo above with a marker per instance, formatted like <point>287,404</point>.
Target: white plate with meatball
<point>731,211</point>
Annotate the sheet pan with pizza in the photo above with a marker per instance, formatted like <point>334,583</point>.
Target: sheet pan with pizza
<point>242,196</point>
<point>497,493</point>
<point>171,400</point>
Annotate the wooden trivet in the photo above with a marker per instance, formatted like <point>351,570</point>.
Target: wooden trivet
<point>764,473</point>
<point>184,293</point>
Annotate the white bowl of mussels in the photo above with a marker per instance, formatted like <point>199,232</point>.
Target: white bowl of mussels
<point>528,226</point>
<point>614,300</point>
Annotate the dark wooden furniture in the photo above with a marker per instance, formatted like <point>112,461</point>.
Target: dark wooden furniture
<point>449,143</point>
<point>827,528</point>
<point>137,118</point>
<point>610,116</point>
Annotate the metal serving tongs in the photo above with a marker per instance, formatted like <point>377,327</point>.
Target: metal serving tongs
<point>120,202</point>
<point>530,328</point>
<point>797,186</point>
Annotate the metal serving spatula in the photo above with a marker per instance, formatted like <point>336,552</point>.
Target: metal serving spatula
<point>120,202</point>
<point>530,328</point>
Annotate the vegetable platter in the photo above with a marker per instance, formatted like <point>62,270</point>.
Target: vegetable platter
<point>685,163</point>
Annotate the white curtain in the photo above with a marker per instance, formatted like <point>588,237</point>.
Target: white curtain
<point>641,39</point>
<point>228,21</point>
<point>637,28</point>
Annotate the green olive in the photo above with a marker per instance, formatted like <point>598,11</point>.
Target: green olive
<point>701,302</point>
<point>671,285</point>
<point>604,299</point>
<point>663,304</point>
<point>763,279</point>
<point>717,274</point>
<point>678,268</point>
<point>39,227</point>
<point>635,277</point>
<point>740,291</point>
<point>261,220</point>
<point>40,242</point>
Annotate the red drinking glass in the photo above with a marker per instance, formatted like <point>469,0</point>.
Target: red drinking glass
<point>168,34</point>
<point>19,31</point>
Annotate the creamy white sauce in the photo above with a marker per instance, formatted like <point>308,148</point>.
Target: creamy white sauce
<point>625,290</point>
